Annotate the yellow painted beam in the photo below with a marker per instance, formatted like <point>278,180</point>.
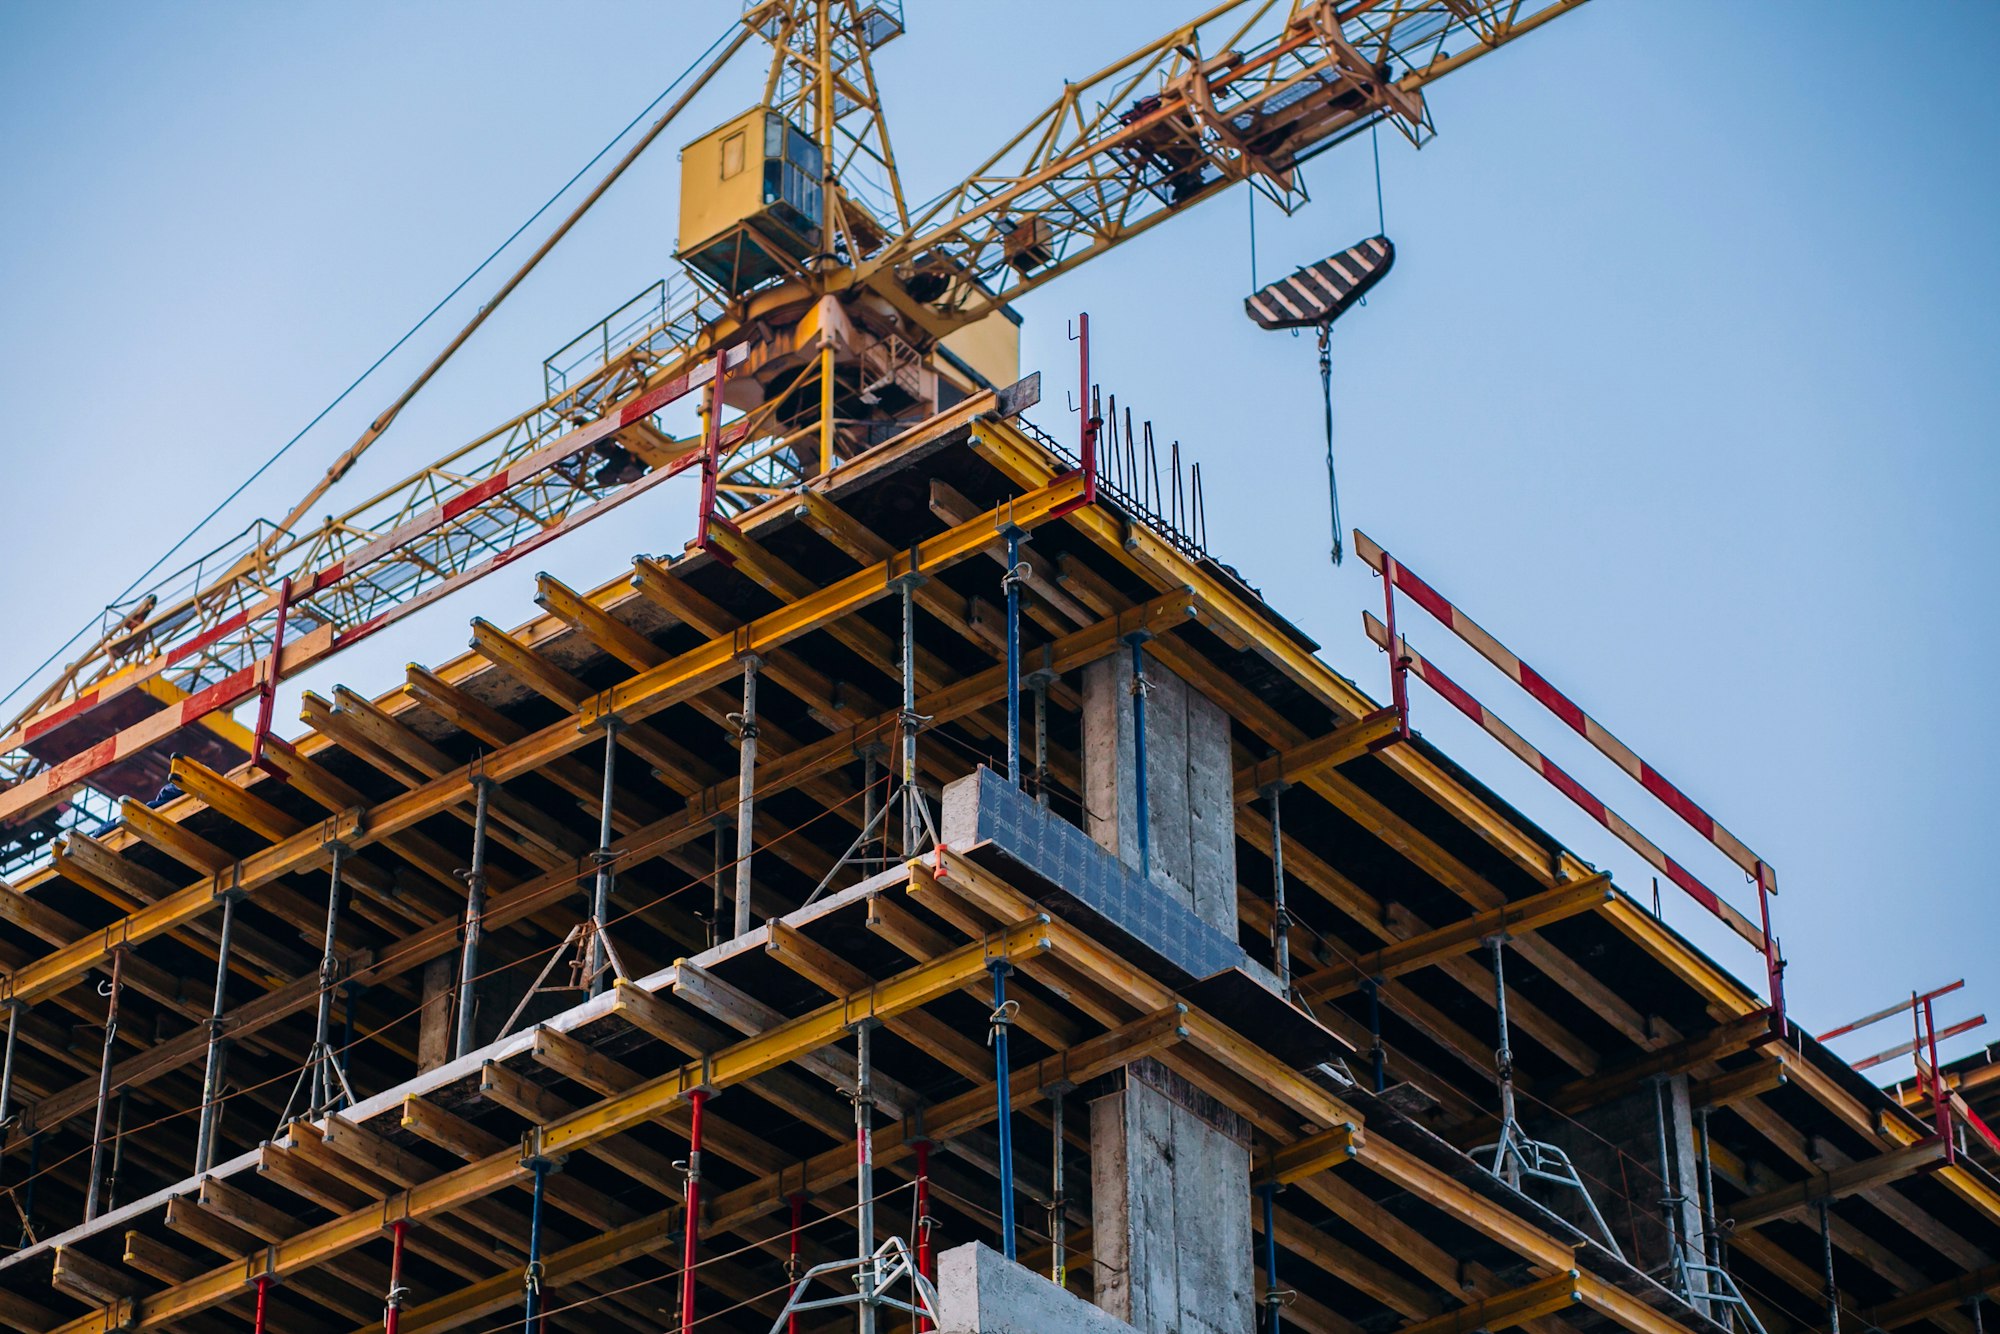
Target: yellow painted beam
<point>1855,1178</point>
<point>1346,742</point>
<point>1507,1309</point>
<point>1405,956</point>
<point>639,697</point>
<point>615,1114</point>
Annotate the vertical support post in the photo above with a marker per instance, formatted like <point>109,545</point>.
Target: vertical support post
<point>211,1078</point>
<point>475,921</point>
<point>1089,419</point>
<point>1281,917</point>
<point>14,1008</point>
<point>1058,1202</point>
<point>718,901</point>
<point>926,1257</point>
<point>1774,959</point>
<point>691,1224</point>
<point>263,1289</point>
<point>1003,1092</point>
<point>1143,815</point>
<point>1670,1198</point>
<point>1011,582</point>
<point>104,1083</point>
<point>1826,1256</point>
<point>392,1310</point>
<point>117,1153</point>
<point>1269,1195</point>
<point>1399,669</point>
<point>600,893</point>
<point>1940,1095</point>
<point>1507,1165</point>
<point>1378,1057</point>
<point>1712,1242</point>
<point>825,400</point>
<point>864,1173</point>
<point>869,798</point>
<point>746,785</point>
<point>792,1266</point>
<point>28,1195</point>
<point>711,456</point>
<point>912,817</point>
<point>321,1082</point>
<point>531,1273</point>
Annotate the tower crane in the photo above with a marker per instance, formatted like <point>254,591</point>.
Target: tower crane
<point>815,303</point>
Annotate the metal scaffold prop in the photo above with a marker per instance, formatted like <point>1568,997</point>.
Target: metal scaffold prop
<point>1513,1157</point>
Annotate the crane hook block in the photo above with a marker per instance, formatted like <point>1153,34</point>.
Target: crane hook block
<point>1321,293</point>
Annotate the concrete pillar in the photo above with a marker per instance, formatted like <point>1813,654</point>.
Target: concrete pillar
<point>1170,1206</point>
<point>1191,810</point>
<point>980,1291</point>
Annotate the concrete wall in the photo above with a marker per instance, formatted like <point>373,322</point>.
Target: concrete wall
<point>1191,809</point>
<point>981,1292</point>
<point>1170,1207</point>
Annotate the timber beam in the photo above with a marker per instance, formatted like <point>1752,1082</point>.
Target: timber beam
<point>1507,1309</point>
<point>1538,910</point>
<point>614,1115</point>
<point>1853,1179</point>
<point>645,694</point>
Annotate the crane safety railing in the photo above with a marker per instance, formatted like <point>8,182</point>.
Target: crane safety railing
<point>656,324</point>
<point>1406,661</point>
<point>488,504</point>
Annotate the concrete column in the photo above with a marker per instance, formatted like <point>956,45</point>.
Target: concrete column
<point>1170,1206</point>
<point>1191,810</point>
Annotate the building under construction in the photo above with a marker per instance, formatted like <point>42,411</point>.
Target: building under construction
<point>942,896</point>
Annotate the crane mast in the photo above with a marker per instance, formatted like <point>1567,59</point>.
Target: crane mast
<point>818,313</point>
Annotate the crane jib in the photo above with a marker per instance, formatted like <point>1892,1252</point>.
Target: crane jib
<point>245,682</point>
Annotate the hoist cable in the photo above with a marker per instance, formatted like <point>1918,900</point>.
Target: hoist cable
<point>1326,391</point>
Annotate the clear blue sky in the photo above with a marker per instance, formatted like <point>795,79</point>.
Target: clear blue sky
<point>1684,383</point>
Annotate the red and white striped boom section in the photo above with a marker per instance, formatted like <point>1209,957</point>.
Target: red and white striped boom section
<point>255,635</point>
<point>1403,659</point>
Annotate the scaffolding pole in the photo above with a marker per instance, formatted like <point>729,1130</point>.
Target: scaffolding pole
<point>475,913</point>
<point>1281,917</point>
<point>104,1083</point>
<point>691,1224</point>
<point>746,785</point>
<point>600,894</point>
<point>211,1078</point>
<point>1002,1020</point>
<point>864,1175</point>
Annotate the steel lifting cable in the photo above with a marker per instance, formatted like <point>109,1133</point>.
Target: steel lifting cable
<point>373,366</point>
<point>1326,392</point>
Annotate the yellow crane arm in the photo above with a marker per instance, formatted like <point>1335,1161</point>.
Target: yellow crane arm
<point>1246,91</point>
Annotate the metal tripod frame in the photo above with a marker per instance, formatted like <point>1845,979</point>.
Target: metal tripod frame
<point>1513,1157</point>
<point>890,1264</point>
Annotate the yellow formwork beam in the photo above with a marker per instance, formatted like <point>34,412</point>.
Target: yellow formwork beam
<point>732,1065</point>
<point>641,696</point>
<point>1405,956</point>
<point>1504,1310</point>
